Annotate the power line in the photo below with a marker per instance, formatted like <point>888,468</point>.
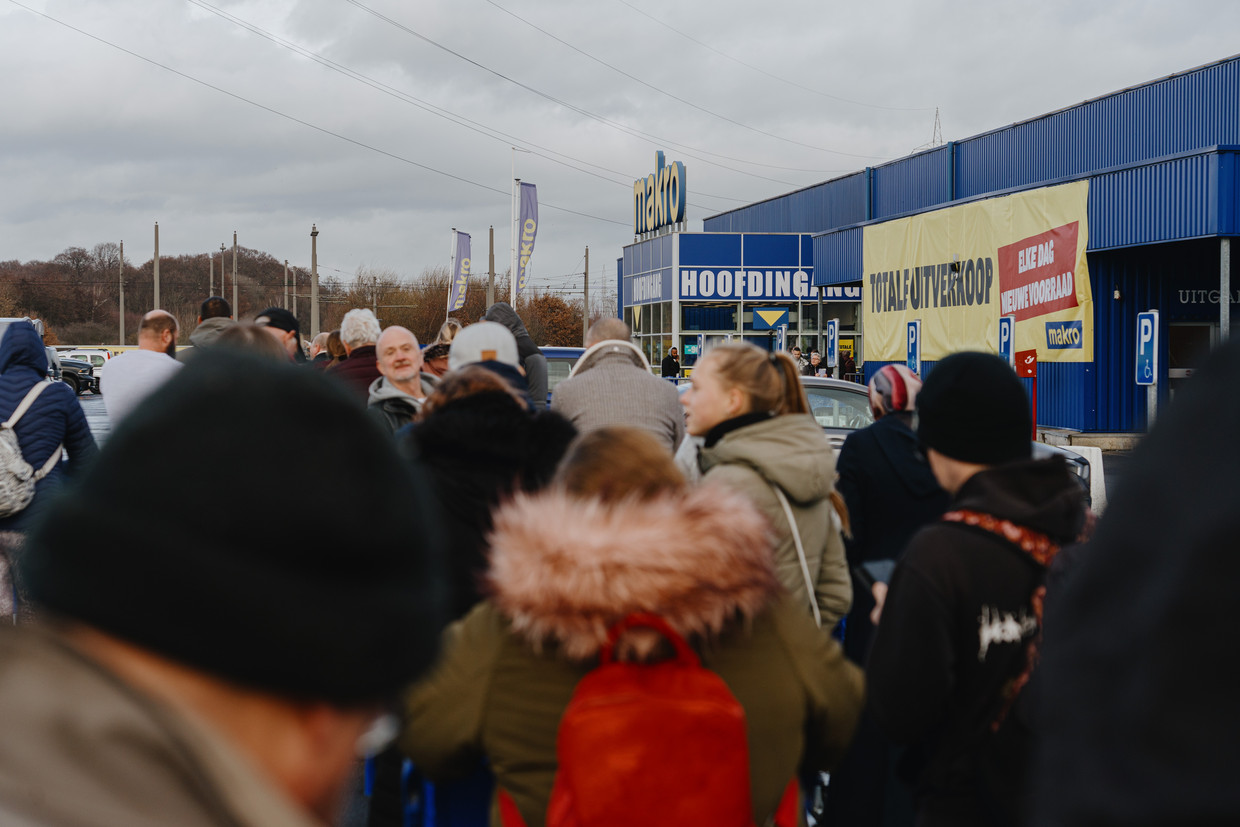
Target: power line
<point>676,98</point>
<point>584,112</point>
<point>793,83</point>
<point>297,120</point>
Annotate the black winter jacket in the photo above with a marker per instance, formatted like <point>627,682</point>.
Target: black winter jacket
<point>954,630</point>
<point>54,419</point>
<point>476,450</point>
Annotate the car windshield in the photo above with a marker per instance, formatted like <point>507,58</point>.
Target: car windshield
<point>839,407</point>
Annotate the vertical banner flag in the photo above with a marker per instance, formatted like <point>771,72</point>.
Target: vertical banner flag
<point>528,218</point>
<point>460,271</point>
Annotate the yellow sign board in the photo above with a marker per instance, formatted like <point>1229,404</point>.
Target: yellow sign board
<point>959,269</point>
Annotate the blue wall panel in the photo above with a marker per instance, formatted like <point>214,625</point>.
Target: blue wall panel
<point>1177,114</point>
<point>833,203</point>
<point>918,182</point>
<point>1167,201</point>
<point>837,257</point>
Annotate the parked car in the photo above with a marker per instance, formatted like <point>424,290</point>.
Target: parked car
<point>97,356</point>
<point>53,364</point>
<point>560,361</point>
<point>78,375</point>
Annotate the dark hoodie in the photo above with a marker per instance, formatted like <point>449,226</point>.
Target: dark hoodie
<point>532,359</point>
<point>954,631</point>
<point>54,419</point>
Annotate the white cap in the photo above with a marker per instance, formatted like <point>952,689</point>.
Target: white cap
<point>483,342</point>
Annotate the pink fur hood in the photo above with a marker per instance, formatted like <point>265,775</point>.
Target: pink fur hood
<point>565,570</point>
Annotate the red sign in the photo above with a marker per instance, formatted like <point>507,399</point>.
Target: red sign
<point>1037,275</point>
<point>1027,364</point>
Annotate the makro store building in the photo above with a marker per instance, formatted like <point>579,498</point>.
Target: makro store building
<point>680,289</point>
<point>1069,224</point>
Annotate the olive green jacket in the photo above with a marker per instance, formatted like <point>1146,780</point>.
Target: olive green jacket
<point>790,452</point>
<point>702,561</point>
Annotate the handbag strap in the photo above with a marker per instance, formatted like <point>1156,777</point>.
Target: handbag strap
<point>27,401</point>
<point>796,538</point>
<point>19,412</point>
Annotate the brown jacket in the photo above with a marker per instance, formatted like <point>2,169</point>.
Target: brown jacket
<point>563,572</point>
<point>83,749</point>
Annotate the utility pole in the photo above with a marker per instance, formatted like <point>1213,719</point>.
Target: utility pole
<point>221,269</point>
<point>286,284</point>
<point>294,292</point>
<point>314,280</point>
<point>156,266</point>
<point>211,274</point>
<point>585,307</point>
<point>122,283</point>
<point>236,308</point>
<point>491,271</point>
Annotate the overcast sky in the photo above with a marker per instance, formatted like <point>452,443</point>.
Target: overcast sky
<point>265,116</point>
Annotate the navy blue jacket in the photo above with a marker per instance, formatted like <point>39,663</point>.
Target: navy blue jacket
<point>55,418</point>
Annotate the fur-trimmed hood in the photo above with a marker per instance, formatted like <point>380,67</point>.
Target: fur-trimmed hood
<point>565,570</point>
<point>627,352</point>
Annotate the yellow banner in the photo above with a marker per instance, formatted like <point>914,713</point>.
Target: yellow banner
<point>959,269</point>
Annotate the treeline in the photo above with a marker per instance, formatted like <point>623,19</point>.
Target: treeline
<point>77,295</point>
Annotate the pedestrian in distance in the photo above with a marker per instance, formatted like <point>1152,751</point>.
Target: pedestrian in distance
<point>319,357</point>
<point>670,369</point>
<point>802,363</point>
<point>611,384</point>
<point>214,317</point>
<point>448,331</point>
<point>139,373</point>
<point>959,625</point>
<point>814,365</point>
<point>435,359</point>
<point>397,396</point>
<point>359,331</point>
<point>700,559</point>
<point>760,439</point>
<point>191,675</point>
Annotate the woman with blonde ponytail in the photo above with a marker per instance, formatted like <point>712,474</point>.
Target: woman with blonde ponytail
<point>760,438</point>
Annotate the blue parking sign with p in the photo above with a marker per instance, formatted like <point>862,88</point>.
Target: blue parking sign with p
<point>1007,333</point>
<point>833,342</point>
<point>1147,348</point>
<point>914,346</point>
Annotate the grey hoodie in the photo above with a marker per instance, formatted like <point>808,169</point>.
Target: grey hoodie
<point>394,408</point>
<point>204,336</point>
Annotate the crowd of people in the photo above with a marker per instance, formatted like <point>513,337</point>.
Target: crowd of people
<point>287,561</point>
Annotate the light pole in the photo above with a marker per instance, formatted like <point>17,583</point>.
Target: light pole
<point>221,269</point>
<point>236,310</point>
<point>314,281</point>
<point>286,284</point>
<point>156,265</point>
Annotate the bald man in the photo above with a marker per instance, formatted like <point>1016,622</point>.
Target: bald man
<point>397,395</point>
<point>135,374</point>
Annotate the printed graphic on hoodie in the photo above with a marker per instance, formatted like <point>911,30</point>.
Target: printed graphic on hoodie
<point>995,626</point>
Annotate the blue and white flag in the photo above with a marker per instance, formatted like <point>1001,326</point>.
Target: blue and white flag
<point>528,229</point>
<point>460,272</point>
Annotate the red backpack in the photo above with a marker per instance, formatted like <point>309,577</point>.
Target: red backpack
<point>652,744</point>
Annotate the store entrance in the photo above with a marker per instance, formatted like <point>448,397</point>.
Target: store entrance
<point>1188,345</point>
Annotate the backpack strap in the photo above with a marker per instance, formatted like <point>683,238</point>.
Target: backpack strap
<point>684,653</point>
<point>27,401</point>
<point>796,538</point>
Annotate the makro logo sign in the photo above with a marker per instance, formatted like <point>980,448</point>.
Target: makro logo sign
<point>659,198</point>
<point>1063,335</point>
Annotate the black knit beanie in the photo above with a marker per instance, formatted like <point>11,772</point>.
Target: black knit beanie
<point>196,534</point>
<point>973,408</point>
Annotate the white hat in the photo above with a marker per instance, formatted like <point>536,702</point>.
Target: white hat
<point>483,342</point>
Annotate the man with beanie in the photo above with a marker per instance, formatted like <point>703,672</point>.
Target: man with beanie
<point>960,624</point>
<point>221,671</point>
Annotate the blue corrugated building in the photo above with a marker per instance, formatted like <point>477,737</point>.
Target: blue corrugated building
<point>1160,160</point>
